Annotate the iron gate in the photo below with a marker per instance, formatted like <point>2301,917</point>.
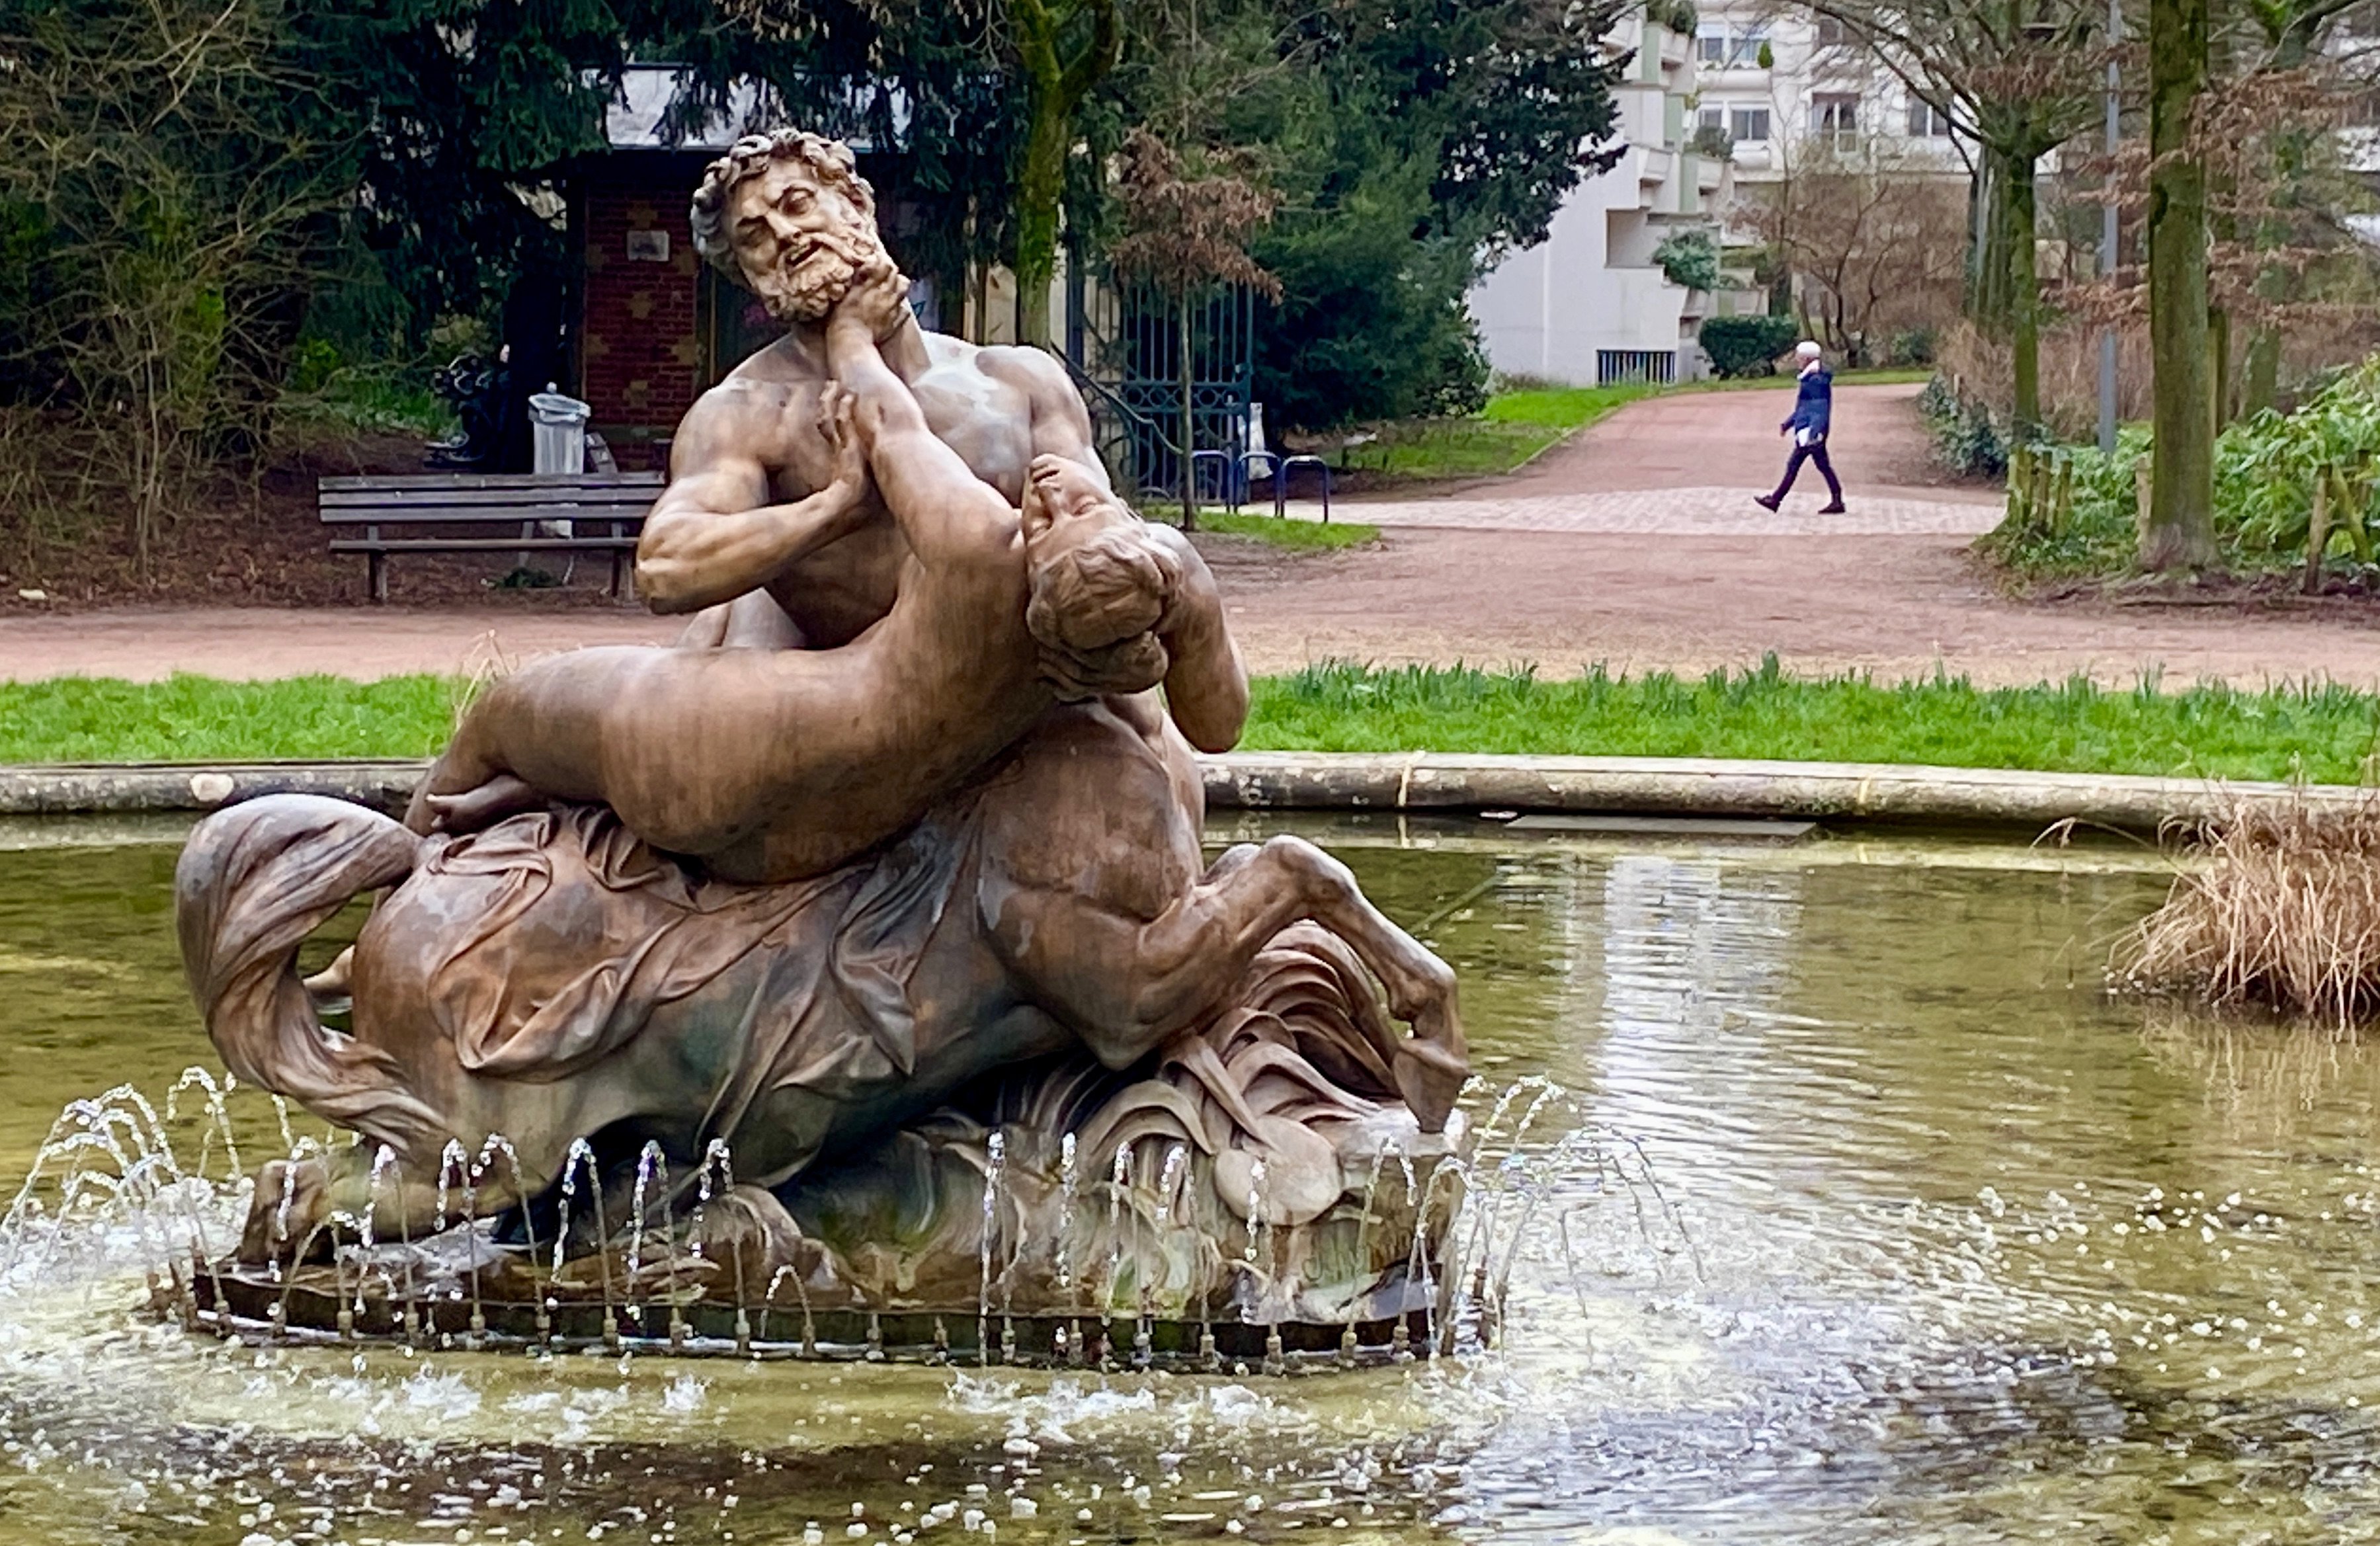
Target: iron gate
<point>1124,346</point>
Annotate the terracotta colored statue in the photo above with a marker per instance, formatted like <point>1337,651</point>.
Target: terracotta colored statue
<point>856,908</point>
<point>780,764</point>
<point>764,524</point>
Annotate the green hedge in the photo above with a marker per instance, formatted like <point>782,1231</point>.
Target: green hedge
<point>1746,345</point>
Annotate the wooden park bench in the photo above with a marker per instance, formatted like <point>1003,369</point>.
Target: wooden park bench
<point>487,512</point>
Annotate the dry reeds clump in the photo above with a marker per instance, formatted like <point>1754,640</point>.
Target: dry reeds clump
<point>2284,912</point>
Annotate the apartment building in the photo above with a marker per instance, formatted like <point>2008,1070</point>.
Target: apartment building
<point>1708,121</point>
<point>1589,304</point>
<point>1771,82</point>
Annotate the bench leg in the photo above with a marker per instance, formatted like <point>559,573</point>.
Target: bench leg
<point>379,562</point>
<point>618,560</point>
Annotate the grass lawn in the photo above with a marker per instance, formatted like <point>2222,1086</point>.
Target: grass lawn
<point>1299,536</point>
<point>1515,426</point>
<point>2325,734</point>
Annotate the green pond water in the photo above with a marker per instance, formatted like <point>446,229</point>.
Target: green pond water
<point>1964,1250</point>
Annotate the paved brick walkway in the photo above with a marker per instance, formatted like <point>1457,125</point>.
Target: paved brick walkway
<point>1636,546</point>
<point>1705,512</point>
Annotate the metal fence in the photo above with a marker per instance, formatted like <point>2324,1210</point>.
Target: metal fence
<point>1612,367</point>
<point>1126,346</point>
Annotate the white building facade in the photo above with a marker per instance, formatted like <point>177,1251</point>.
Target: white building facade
<point>1705,121</point>
<point>1776,82</point>
<point>1588,305</point>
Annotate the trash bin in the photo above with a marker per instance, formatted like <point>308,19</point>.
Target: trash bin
<point>558,428</point>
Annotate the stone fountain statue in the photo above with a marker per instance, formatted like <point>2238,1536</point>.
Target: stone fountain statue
<point>857,956</point>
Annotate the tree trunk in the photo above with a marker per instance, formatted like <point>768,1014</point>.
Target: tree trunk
<point>1189,442</point>
<point>1988,286</point>
<point>2261,382</point>
<point>1040,188</point>
<point>1054,89</point>
<point>2180,532</point>
<point>2023,296</point>
<point>2218,366</point>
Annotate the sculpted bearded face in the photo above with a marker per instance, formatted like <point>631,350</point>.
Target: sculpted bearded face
<point>798,239</point>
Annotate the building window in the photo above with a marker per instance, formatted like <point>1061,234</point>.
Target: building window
<point>1658,367</point>
<point>1835,115</point>
<point>1927,121</point>
<point>1748,124</point>
<point>1719,49</point>
<point>1830,32</point>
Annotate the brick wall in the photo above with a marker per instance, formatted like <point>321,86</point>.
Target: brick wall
<point>639,347</point>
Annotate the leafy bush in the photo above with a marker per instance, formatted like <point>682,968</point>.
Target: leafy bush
<point>2264,470</point>
<point>1910,346</point>
<point>1746,345</point>
<point>1689,258</point>
<point>1965,438</point>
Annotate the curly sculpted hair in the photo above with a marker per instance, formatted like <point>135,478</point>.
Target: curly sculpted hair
<point>829,160</point>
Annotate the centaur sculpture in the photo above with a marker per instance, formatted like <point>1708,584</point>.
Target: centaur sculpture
<point>883,889</point>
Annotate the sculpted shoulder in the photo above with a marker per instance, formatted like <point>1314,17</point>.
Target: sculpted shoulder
<point>748,404</point>
<point>1035,371</point>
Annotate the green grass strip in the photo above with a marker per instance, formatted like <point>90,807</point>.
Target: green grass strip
<point>1298,536</point>
<point>81,719</point>
<point>2323,733</point>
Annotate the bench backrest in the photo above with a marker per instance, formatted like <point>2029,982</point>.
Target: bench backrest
<point>487,496</point>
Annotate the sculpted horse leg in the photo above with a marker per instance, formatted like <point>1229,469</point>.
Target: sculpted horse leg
<point>1121,936</point>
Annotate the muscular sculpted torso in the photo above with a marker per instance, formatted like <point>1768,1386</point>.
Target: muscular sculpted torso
<point>754,504</point>
<point>782,764</point>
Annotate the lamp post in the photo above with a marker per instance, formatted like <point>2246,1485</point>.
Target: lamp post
<point>2107,241</point>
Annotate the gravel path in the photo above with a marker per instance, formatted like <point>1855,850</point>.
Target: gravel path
<point>1635,545</point>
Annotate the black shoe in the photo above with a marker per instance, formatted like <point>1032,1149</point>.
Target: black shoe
<point>1834,509</point>
<point>1766,501</point>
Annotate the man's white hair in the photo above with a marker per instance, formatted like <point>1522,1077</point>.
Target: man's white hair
<point>1808,348</point>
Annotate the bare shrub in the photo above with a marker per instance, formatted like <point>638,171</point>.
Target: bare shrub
<point>2069,370</point>
<point>171,188</point>
<point>2284,911</point>
<point>1875,243</point>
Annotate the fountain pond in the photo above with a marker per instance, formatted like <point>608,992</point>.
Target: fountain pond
<point>1830,1196</point>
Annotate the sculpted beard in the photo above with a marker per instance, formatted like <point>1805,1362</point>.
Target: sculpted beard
<point>810,284</point>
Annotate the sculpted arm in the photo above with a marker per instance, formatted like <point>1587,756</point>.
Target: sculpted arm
<point>1061,425</point>
<point>1207,684</point>
<point>713,535</point>
<point>936,497</point>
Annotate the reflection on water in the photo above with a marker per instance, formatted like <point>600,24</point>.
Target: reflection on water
<point>1969,1253</point>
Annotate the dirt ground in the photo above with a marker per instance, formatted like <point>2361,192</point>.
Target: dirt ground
<point>1691,438</point>
<point>1895,606</point>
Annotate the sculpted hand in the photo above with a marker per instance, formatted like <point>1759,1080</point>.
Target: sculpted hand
<point>878,301</point>
<point>840,429</point>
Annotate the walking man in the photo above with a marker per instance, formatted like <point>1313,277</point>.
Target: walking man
<point>1813,407</point>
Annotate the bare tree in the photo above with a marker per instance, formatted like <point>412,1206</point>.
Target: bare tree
<point>174,180</point>
<point>2016,79</point>
<point>1183,234</point>
<point>1874,243</point>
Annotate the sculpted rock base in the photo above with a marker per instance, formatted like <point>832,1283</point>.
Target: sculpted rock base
<point>1230,1200</point>
<point>601,1097</point>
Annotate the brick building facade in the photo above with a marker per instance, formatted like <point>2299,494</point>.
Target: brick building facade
<point>644,342</point>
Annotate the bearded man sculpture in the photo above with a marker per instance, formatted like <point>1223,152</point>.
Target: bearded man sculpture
<point>763,526</point>
<point>896,929</point>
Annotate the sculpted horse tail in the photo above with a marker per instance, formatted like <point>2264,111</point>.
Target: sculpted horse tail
<point>253,882</point>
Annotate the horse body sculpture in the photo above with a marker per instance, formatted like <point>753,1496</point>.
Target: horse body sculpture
<point>553,977</point>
